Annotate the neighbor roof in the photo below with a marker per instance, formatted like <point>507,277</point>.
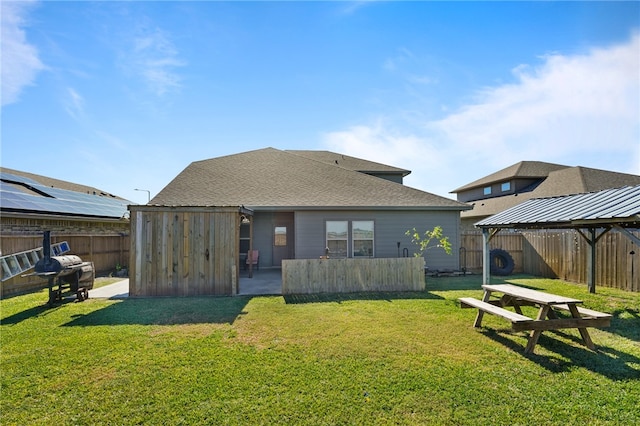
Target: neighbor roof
<point>521,170</point>
<point>565,181</point>
<point>271,179</point>
<point>620,206</point>
<point>27,194</point>
<point>57,183</point>
<point>352,163</point>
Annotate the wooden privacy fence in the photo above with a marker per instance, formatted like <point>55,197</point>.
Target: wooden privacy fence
<point>471,250</point>
<point>307,276</point>
<point>105,251</point>
<point>563,254</point>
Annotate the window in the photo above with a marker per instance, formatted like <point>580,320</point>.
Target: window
<point>337,238</point>
<point>350,239</point>
<point>506,186</point>
<point>487,190</point>
<point>280,236</point>
<point>362,233</point>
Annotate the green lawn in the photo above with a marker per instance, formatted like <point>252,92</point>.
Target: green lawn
<point>384,358</point>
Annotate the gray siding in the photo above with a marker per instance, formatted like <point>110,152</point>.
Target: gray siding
<point>262,238</point>
<point>390,228</point>
<point>264,223</point>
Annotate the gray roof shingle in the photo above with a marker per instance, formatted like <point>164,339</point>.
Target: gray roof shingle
<point>523,169</point>
<point>564,181</point>
<point>273,179</point>
<point>352,163</point>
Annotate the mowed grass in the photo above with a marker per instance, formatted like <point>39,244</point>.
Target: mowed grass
<point>383,358</point>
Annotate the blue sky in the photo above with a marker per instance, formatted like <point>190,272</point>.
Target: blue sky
<point>124,95</point>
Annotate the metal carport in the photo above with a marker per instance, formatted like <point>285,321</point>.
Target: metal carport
<point>590,214</point>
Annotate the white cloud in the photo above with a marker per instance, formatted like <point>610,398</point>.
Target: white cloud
<point>74,104</point>
<point>405,63</point>
<point>575,110</point>
<point>570,104</point>
<point>20,61</point>
<point>154,58</point>
<point>381,143</point>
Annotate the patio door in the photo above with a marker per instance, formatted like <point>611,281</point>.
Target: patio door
<point>283,239</point>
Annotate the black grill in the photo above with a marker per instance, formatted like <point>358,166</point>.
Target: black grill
<point>63,272</point>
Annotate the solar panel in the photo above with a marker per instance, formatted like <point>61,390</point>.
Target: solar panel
<point>16,178</point>
<point>61,201</point>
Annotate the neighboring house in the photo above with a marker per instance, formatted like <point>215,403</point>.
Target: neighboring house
<point>522,181</point>
<point>305,202</point>
<point>93,222</point>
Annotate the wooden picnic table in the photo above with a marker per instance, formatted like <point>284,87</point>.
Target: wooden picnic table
<point>547,318</point>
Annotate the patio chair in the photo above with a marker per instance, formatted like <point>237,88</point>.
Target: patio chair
<point>253,257</point>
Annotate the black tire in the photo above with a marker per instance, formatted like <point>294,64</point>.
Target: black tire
<point>501,262</point>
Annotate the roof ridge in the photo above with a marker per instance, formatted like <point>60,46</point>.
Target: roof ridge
<point>583,181</point>
<point>520,165</point>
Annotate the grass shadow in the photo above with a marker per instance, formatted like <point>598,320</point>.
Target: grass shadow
<point>566,351</point>
<point>368,296</point>
<point>165,311</point>
<point>38,311</point>
<point>626,323</point>
<point>466,282</point>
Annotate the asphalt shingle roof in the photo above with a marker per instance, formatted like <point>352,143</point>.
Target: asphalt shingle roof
<point>352,163</point>
<point>273,179</point>
<point>523,169</point>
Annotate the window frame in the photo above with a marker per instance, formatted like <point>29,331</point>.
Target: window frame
<point>350,241</point>
<point>354,239</point>
<point>328,240</point>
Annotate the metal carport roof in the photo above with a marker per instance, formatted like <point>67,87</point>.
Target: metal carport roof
<point>620,206</point>
<point>591,214</point>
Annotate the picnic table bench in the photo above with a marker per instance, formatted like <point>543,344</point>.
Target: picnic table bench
<point>547,318</point>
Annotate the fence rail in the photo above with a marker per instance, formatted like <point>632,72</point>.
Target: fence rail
<point>105,251</point>
<point>563,254</point>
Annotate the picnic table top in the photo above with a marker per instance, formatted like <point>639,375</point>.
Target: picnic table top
<point>530,295</point>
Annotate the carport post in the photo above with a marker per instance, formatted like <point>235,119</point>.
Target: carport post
<point>591,262</point>
<point>592,240</point>
<point>486,257</point>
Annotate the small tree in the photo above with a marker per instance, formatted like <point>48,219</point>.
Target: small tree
<point>430,239</point>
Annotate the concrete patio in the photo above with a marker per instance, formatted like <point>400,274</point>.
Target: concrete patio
<point>264,282</point>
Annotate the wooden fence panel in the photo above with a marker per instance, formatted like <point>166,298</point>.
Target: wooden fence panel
<point>105,251</point>
<point>563,254</point>
<point>307,276</point>
<point>471,249</point>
